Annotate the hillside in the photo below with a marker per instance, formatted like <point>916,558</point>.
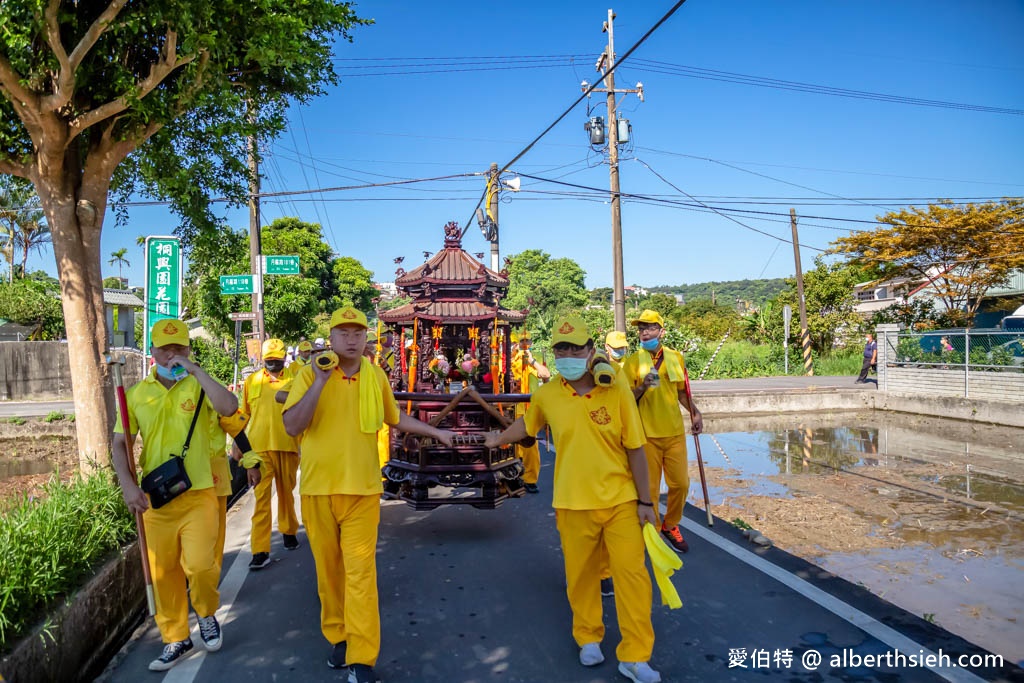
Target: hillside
<point>754,291</point>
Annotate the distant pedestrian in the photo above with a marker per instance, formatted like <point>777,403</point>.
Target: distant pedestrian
<point>617,348</point>
<point>870,358</point>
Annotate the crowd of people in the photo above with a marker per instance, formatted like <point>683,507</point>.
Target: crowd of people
<point>614,442</point>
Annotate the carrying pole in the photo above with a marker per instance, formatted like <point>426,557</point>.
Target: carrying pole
<point>696,444</point>
<point>122,409</point>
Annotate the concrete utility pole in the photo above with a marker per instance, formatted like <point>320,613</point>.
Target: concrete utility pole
<point>805,335</point>
<point>255,249</point>
<point>605,65</point>
<point>492,211</point>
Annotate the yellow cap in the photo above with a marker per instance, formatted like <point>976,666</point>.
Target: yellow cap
<point>348,315</point>
<point>305,346</point>
<point>234,424</point>
<point>273,349</point>
<point>169,331</point>
<point>616,340</point>
<point>649,316</point>
<point>571,329</point>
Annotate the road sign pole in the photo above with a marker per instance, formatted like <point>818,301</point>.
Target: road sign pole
<point>238,341</point>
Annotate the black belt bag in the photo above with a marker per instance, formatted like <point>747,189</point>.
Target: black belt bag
<point>170,480</point>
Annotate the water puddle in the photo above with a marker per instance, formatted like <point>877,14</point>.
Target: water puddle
<point>927,513</point>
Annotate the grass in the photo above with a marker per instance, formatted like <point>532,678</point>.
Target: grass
<point>744,359</point>
<point>15,420</point>
<point>48,545</point>
<point>54,416</point>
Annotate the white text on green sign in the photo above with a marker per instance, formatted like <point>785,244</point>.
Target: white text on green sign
<point>236,284</point>
<point>281,265</point>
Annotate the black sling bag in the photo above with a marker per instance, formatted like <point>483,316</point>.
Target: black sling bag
<point>170,480</point>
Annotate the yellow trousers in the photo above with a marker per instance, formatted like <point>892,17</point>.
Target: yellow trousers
<point>668,454</point>
<point>342,532</point>
<point>222,529</point>
<point>182,539</point>
<point>279,466</point>
<point>530,456</point>
<point>616,531</point>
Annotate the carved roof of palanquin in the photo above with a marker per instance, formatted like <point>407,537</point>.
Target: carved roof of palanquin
<point>452,287</point>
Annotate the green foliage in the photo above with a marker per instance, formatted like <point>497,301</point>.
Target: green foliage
<point>547,286</point>
<point>913,315</point>
<point>662,303</point>
<point>111,283</point>
<point>55,416</point>
<point>214,359</point>
<point>16,420</point>
<point>728,292</point>
<point>48,546</point>
<point>355,284</point>
<point>707,320</point>
<point>828,291</point>
<point>31,303</point>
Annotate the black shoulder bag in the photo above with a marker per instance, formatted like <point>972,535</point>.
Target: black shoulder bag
<point>170,480</point>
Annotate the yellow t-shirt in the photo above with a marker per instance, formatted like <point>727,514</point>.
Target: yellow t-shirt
<point>523,372</point>
<point>219,466</point>
<point>659,406</point>
<point>337,457</point>
<point>266,428</point>
<point>162,416</point>
<point>591,433</point>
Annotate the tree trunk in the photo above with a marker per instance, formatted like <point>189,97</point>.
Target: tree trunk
<point>76,246</point>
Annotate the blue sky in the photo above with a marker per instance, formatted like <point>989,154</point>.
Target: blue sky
<point>457,120</point>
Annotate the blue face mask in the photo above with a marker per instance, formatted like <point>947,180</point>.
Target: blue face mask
<point>651,344</point>
<point>571,368</point>
<point>617,353</point>
<point>178,373</point>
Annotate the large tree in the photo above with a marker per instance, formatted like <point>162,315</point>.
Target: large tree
<point>959,250</point>
<point>828,293</point>
<point>546,285</point>
<point>151,97</point>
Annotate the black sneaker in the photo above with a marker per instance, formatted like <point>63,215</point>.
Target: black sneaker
<point>259,561</point>
<point>171,654</point>
<point>606,587</point>
<point>291,542</point>
<point>209,631</point>
<point>675,539</point>
<point>362,673</point>
<point>337,658</point>
<point>531,488</point>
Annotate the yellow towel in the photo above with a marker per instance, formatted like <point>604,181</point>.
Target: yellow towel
<point>673,368</point>
<point>371,399</point>
<point>665,562</point>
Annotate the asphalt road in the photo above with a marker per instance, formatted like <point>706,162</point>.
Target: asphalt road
<point>468,596</point>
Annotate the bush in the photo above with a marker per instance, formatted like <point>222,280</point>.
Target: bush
<point>48,546</point>
<point>214,359</point>
<point>54,416</point>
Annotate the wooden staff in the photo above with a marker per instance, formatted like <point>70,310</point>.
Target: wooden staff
<point>122,405</point>
<point>696,444</point>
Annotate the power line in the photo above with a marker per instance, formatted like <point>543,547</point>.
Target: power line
<point>572,106</point>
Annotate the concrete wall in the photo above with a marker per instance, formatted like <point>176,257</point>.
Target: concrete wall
<point>981,385</point>
<point>31,371</point>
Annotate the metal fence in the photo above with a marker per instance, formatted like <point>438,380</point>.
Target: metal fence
<point>971,350</point>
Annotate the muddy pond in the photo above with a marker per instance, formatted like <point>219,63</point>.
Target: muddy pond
<point>924,512</point>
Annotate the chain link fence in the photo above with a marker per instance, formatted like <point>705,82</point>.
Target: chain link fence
<point>971,350</point>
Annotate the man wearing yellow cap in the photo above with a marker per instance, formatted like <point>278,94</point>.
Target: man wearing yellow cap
<point>278,452</point>
<point>616,347</point>
<point>181,534</point>
<point>656,375</point>
<point>527,374</point>
<point>338,411</point>
<point>600,497</point>
<point>305,350</point>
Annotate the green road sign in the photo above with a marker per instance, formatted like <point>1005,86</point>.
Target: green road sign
<point>281,265</point>
<point>236,284</point>
<point>163,282</point>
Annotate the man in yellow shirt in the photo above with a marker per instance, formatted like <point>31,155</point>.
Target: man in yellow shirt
<point>600,497</point>
<point>527,374</point>
<point>182,534</point>
<point>233,425</point>
<point>305,350</point>
<point>338,412</point>
<point>616,347</point>
<point>278,453</point>
<point>655,374</point>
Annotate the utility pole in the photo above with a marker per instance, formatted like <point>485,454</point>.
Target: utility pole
<point>805,336</point>
<point>492,212</point>
<point>255,248</point>
<point>604,66</point>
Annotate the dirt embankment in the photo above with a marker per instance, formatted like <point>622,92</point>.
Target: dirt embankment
<point>30,447</point>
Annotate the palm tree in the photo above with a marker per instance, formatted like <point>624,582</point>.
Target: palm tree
<point>118,258</point>
<point>33,233</point>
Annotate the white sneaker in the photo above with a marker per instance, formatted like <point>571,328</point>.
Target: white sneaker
<point>591,655</point>
<point>639,672</point>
